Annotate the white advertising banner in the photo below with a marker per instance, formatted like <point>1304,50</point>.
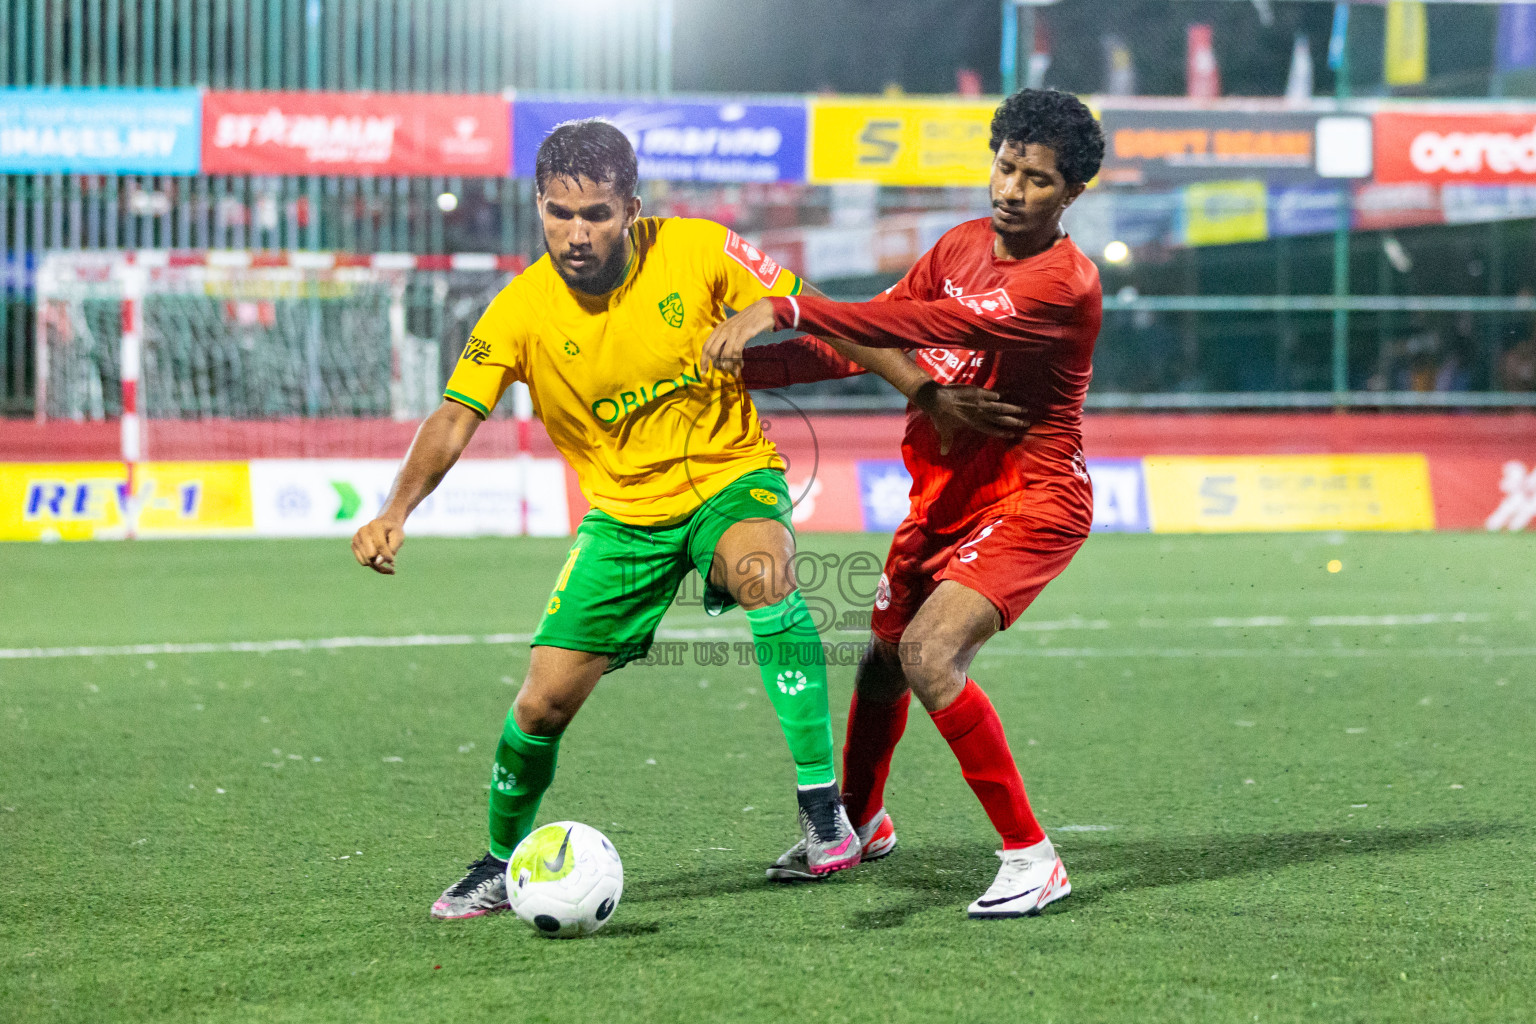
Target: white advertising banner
<point>478,498</point>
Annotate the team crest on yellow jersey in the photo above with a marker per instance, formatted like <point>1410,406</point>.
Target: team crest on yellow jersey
<point>672,310</point>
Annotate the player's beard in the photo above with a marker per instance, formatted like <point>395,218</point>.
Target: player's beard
<point>599,280</point>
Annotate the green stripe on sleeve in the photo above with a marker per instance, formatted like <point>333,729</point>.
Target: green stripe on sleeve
<point>466,400</point>
<point>798,285</point>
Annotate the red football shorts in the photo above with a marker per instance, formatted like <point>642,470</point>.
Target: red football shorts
<point>1007,559</point>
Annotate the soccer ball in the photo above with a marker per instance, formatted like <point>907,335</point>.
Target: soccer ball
<point>565,880</point>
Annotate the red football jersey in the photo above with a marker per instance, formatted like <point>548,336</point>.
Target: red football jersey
<point>1022,328</point>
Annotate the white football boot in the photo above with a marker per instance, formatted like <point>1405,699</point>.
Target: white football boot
<point>1029,879</point>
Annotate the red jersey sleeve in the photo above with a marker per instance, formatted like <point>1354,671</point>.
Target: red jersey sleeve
<point>799,360</point>
<point>1022,316</point>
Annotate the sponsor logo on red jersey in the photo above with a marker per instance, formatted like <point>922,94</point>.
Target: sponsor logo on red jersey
<point>994,304</point>
<point>757,262</point>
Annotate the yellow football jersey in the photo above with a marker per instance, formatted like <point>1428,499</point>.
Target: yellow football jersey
<point>615,378</point>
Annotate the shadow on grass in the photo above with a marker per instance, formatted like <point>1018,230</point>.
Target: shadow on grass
<point>1100,867</point>
<point>629,930</point>
<point>1149,862</point>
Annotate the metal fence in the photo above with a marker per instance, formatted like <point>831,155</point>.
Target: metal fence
<point>442,46</point>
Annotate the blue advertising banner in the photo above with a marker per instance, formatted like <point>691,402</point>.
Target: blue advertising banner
<point>1515,45</point>
<point>100,131</point>
<point>688,140</point>
<point>1119,496</point>
<point>1303,210</point>
<point>884,487</point>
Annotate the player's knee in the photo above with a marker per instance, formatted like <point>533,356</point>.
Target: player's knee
<point>931,667</point>
<point>761,582</point>
<point>881,677</point>
<point>540,713</point>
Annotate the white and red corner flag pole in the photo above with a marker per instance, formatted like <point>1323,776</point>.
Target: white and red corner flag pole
<point>131,359</point>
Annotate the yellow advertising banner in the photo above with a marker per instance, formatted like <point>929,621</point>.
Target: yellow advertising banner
<point>93,500</point>
<point>1198,494</point>
<point>900,142</point>
<point>1224,212</point>
<point>1407,43</point>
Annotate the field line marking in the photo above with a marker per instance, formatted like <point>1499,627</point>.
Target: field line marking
<point>334,643</point>
<point>1257,653</point>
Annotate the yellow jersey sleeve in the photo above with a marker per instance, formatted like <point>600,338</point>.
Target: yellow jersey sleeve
<point>495,354</point>
<point>743,273</point>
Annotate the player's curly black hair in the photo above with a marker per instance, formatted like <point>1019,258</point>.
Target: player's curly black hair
<point>1055,119</point>
<point>591,148</point>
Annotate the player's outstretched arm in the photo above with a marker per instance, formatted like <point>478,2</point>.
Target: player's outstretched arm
<point>952,408</point>
<point>440,440</point>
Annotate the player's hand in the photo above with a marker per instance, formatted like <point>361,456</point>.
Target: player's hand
<point>728,341</point>
<point>957,407</point>
<point>375,544</point>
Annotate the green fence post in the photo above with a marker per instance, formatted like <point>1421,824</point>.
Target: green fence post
<point>1341,248</point>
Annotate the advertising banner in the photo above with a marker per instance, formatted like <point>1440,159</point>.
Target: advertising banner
<point>1404,205</point>
<point>1515,41</point>
<point>1485,492</point>
<point>1407,45</point>
<point>1224,212</point>
<point>827,502</point>
<point>1119,496</point>
<point>1456,147</point>
<point>354,133</point>
<point>1196,494</point>
<point>1304,210</point>
<point>680,141</point>
<point>93,500</point>
<point>900,142</point>
<point>480,497</point>
<point>99,131</point>
<point>1163,147</point>
<point>1469,204</point>
<point>884,489</point>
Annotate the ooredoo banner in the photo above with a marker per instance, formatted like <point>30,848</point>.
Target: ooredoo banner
<point>721,140</point>
<point>1456,148</point>
<point>354,133</point>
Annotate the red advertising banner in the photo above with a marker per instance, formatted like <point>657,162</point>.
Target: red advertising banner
<point>1407,204</point>
<point>1486,492</point>
<point>355,133</point>
<point>1456,148</point>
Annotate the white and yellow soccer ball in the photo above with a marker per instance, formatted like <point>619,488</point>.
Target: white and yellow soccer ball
<point>565,880</point>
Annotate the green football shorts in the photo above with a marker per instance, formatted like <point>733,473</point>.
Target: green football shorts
<point>619,580</point>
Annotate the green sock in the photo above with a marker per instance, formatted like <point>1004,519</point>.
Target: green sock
<point>525,766</point>
<point>794,672</point>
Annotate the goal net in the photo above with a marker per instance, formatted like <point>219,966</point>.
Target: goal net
<point>321,353</point>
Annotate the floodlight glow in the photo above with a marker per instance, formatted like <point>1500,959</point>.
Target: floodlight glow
<point>1117,252</point>
<point>447,202</point>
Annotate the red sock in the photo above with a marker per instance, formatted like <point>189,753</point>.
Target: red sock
<point>873,731</point>
<point>975,734</point>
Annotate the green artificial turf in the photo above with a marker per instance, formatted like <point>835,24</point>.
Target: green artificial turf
<point>1277,802</point>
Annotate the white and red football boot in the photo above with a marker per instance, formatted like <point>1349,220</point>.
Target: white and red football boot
<point>877,838</point>
<point>1028,880</point>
